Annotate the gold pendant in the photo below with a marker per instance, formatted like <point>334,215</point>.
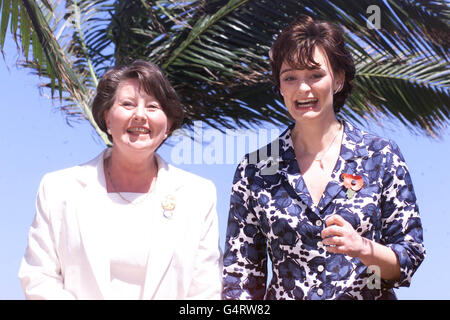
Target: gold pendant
<point>320,163</point>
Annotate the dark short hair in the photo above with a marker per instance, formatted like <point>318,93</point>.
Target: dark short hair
<point>150,78</point>
<point>296,45</point>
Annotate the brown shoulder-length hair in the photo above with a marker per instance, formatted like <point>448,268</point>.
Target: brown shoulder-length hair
<point>150,78</point>
<point>296,45</point>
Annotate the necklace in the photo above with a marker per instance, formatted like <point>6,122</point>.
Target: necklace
<point>320,158</point>
<point>120,194</point>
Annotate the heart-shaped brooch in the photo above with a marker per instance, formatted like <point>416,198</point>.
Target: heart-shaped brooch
<point>353,183</point>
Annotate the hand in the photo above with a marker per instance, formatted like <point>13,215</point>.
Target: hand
<point>340,237</point>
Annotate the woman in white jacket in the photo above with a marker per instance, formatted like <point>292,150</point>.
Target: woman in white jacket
<point>126,225</point>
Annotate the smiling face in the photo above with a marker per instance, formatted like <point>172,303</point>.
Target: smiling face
<point>136,120</point>
<point>308,93</point>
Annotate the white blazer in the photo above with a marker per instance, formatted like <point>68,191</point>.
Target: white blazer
<point>67,253</point>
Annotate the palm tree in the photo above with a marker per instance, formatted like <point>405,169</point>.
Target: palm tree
<point>215,53</point>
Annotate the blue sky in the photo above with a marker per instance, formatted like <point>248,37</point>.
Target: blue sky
<point>35,140</point>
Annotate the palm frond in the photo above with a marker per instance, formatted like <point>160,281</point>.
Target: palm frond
<point>413,89</point>
<point>215,53</point>
<point>228,58</point>
<point>56,58</point>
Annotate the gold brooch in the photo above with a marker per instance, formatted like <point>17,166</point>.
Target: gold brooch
<point>168,205</point>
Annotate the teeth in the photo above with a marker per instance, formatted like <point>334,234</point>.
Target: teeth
<point>306,101</point>
<point>139,130</point>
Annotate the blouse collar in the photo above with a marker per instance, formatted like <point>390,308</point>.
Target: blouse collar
<point>352,147</point>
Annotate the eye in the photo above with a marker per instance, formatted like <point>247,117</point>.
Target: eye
<point>152,106</point>
<point>289,78</point>
<point>127,104</point>
<point>317,75</point>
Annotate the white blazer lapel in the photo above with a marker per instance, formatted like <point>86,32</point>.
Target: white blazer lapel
<point>93,222</point>
<point>164,229</point>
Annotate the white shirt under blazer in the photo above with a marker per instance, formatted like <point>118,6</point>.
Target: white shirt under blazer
<point>68,253</point>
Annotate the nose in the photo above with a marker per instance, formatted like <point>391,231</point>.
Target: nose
<point>139,112</point>
<point>304,86</point>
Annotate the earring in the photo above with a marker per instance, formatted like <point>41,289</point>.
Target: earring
<point>108,130</point>
<point>165,136</point>
<point>338,89</point>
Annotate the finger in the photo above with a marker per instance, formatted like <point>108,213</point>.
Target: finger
<point>332,231</point>
<point>333,241</point>
<point>335,219</point>
<point>336,249</point>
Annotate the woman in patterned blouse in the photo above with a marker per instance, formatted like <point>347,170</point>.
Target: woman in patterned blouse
<point>333,206</point>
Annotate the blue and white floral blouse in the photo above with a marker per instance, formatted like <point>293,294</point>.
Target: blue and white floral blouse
<point>274,214</point>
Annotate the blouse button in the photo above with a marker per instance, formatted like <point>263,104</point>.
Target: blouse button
<point>320,268</point>
<point>320,292</point>
<point>318,223</point>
